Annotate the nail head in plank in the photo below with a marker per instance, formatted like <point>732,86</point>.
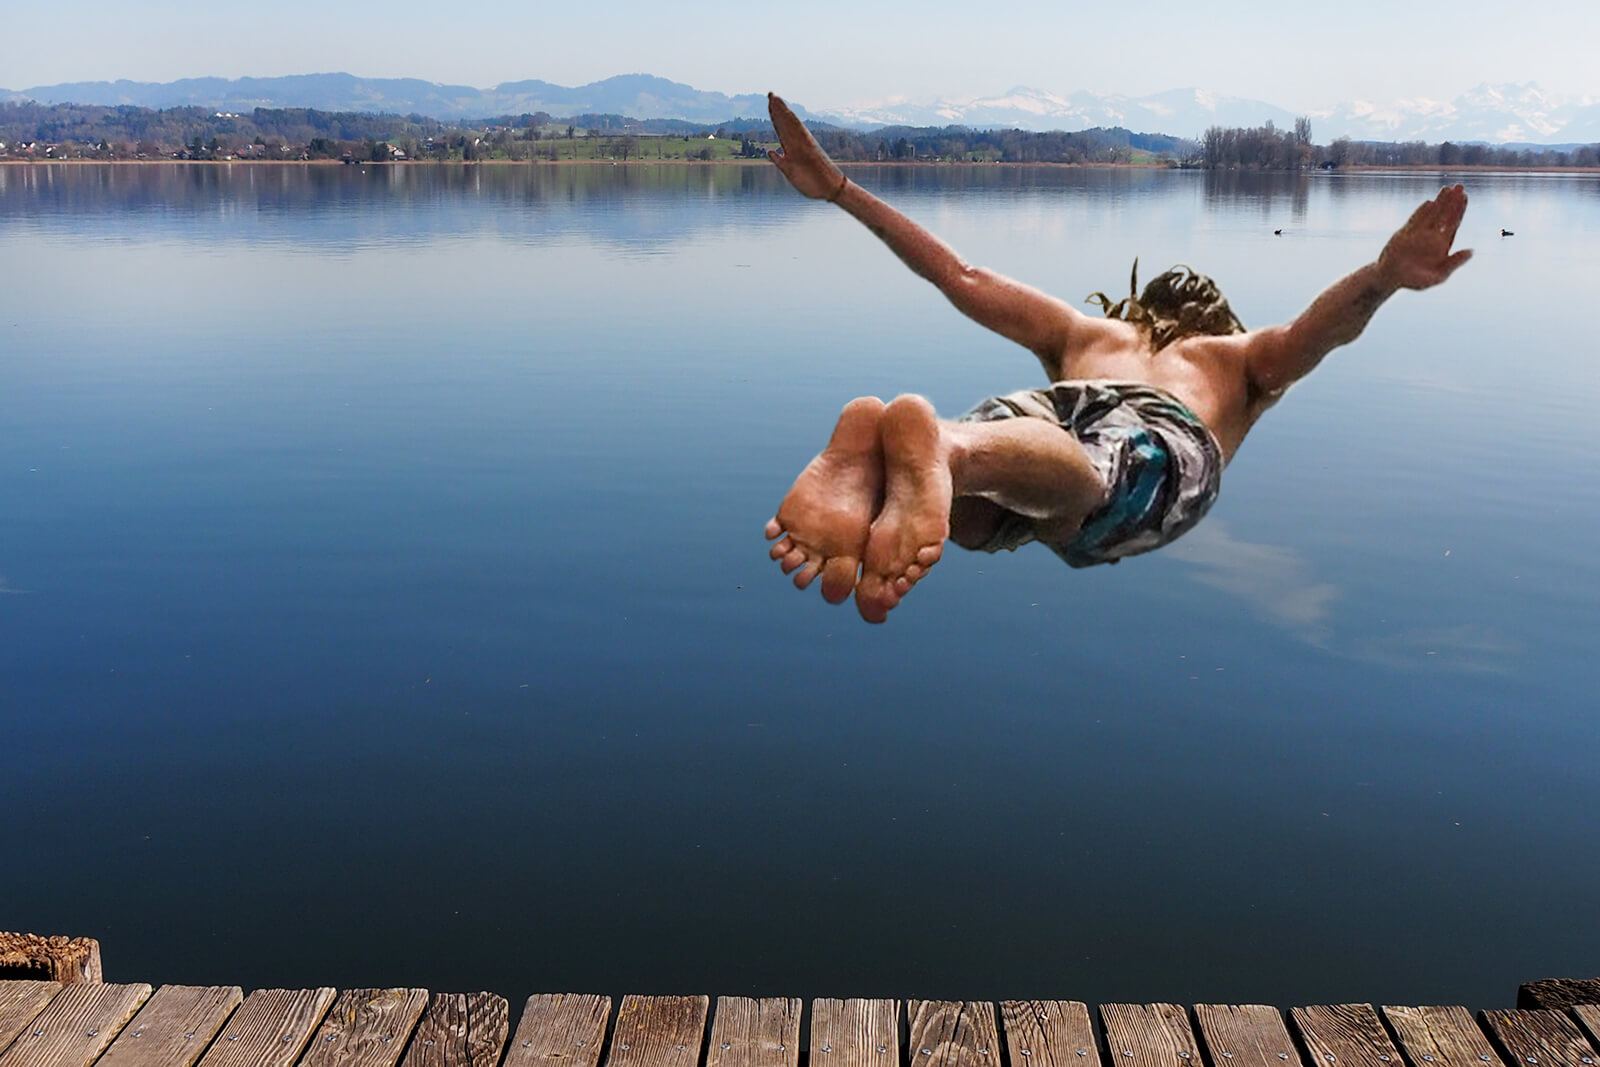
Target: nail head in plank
<point>952,1033</point>
<point>1148,1035</point>
<point>855,1033</point>
<point>1542,1037</point>
<point>159,1036</point>
<point>1050,1033</point>
<point>366,1028</point>
<point>1345,1035</point>
<point>270,1029</point>
<point>1589,1018</point>
<point>658,1032</point>
<point>1246,1035</point>
<point>755,1033</point>
<point>560,1030</point>
<point>1441,1037</point>
<point>460,1030</point>
<point>20,1000</point>
<point>76,1026</point>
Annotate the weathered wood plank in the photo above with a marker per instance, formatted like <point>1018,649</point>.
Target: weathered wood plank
<point>1441,1037</point>
<point>658,1032</point>
<point>58,959</point>
<point>1148,1035</point>
<point>270,1029</point>
<point>1049,1033</point>
<point>1558,993</point>
<point>366,1028</point>
<point>460,1030</point>
<point>1246,1035</point>
<point>174,1027</point>
<point>1588,1016</point>
<point>755,1033</point>
<point>76,1026</point>
<point>855,1033</point>
<point>560,1030</point>
<point>20,1001</point>
<point>952,1033</point>
<point>1345,1035</point>
<point>1542,1037</point>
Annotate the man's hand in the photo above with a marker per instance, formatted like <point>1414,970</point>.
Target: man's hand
<point>1418,255</point>
<point>801,159</point>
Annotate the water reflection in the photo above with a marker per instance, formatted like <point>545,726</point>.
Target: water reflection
<point>1274,581</point>
<point>1266,192</point>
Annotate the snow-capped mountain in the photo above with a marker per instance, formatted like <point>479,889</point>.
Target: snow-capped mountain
<point>1494,113</point>
<point>1182,112</point>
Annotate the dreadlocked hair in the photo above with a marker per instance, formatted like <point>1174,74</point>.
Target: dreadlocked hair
<point>1180,303</point>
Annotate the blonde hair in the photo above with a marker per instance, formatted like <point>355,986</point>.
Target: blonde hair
<point>1179,303</point>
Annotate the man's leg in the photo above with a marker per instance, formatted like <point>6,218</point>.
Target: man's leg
<point>1029,466</point>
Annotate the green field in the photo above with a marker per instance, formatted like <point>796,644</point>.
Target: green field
<point>621,148</point>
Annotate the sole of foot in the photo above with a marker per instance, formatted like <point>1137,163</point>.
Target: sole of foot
<point>822,526</point>
<point>907,538</point>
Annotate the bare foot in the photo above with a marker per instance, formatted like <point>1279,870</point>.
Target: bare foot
<point>829,509</point>
<point>909,533</point>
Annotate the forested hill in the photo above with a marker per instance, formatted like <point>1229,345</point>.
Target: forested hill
<point>90,131</point>
<point>76,131</point>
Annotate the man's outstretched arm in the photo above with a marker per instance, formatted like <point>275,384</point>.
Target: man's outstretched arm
<point>1418,256</point>
<point>1018,312</point>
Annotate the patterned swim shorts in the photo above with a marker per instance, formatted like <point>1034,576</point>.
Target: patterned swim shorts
<point>1160,462</point>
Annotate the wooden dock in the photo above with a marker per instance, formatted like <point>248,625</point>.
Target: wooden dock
<point>51,1024</point>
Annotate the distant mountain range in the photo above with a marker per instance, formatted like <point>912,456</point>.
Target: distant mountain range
<point>641,96</point>
<point>1521,113</point>
<point>1490,113</point>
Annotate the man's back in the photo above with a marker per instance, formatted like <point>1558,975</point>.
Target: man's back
<point>1208,373</point>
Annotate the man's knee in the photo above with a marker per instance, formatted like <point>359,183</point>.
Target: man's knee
<point>974,521</point>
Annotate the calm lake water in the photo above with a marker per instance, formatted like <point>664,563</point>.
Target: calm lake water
<point>384,599</point>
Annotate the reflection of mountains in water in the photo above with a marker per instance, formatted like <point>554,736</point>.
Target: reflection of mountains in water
<point>642,206</point>
<point>321,206</point>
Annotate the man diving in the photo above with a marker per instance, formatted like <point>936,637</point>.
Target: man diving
<point>1121,454</point>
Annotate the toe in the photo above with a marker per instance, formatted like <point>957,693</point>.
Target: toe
<point>839,578</point>
<point>774,528</point>
<point>807,574</point>
<point>871,610</point>
<point>869,598</point>
<point>928,555</point>
<point>782,548</point>
<point>793,560</point>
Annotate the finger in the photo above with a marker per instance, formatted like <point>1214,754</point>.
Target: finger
<point>1454,263</point>
<point>780,113</point>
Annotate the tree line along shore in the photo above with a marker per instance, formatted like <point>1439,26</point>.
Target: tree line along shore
<point>31,132</point>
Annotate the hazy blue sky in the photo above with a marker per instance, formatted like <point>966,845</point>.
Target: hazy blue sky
<point>831,52</point>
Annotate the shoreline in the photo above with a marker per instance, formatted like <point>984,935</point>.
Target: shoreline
<point>1354,168</point>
